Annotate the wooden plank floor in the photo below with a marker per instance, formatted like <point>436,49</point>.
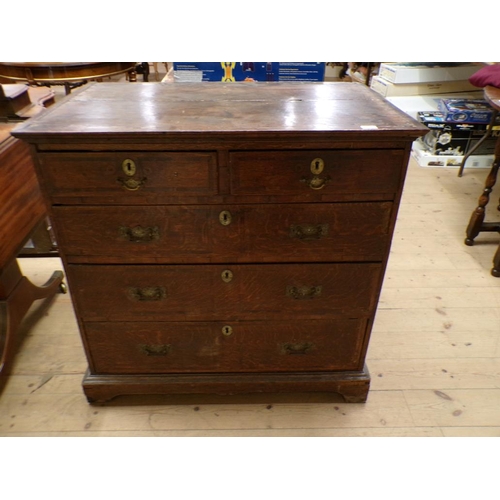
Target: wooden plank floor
<point>434,354</point>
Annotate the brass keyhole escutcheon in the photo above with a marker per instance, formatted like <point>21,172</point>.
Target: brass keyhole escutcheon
<point>317,166</point>
<point>227,276</point>
<point>225,218</point>
<point>128,167</point>
<point>227,330</point>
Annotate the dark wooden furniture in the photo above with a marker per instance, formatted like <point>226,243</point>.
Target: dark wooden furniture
<point>224,238</point>
<point>22,210</point>
<point>477,223</point>
<point>69,74</point>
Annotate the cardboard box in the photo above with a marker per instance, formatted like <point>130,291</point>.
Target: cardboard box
<point>488,146</point>
<point>466,110</point>
<point>448,139</point>
<point>249,71</point>
<point>386,88</point>
<point>427,72</point>
<point>411,105</point>
<point>452,139</point>
<point>426,159</point>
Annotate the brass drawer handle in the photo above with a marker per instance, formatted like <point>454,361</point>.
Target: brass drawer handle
<point>303,292</point>
<point>132,184</point>
<point>316,182</point>
<point>147,293</point>
<point>300,348</point>
<point>139,233</point>
<point>308,232</point>
<point>155,349</point>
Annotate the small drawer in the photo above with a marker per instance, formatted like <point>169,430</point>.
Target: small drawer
<point>271,346</point>
<point>323,232</point>
<point>323,172</point>
<point>128,177</point>
<point>216,292</point>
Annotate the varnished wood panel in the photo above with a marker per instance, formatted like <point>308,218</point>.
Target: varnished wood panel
<point>254,233</point>
<point>101,175</point>
<point>198,293</point>
<point>21,202</point>
<point>291,172</point>
<point>204,110</point>
<point>273,346</point>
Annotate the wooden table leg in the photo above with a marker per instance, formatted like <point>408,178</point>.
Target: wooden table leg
<point>17,294</point>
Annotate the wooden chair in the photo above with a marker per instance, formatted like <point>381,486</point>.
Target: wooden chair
<point>477,223</point>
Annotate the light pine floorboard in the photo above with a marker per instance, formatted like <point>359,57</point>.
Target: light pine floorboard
<point>434,355</point>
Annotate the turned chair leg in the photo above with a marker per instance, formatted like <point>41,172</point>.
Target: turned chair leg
<point>476,223</point>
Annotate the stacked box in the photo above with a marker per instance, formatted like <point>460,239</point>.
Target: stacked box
<point>420,79</point>
<point>488,146</point>
<point>455,139</point>
<point>466,110</point>
<point>402,73</point>
<point>426,159</point>
<point>388,89</point>
<point>444,138</point>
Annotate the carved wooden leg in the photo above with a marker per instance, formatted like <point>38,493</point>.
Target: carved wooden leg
<point>14,306</point>
<point>476,223</point>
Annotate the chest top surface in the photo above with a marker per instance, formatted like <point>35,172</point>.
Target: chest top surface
<point>289,109</point>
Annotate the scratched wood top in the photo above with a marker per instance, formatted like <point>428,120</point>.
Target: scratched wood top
<point>231,108</point>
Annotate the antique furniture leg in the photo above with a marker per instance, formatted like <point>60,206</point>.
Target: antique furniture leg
<point>476,223</point>
<point>17,294</point>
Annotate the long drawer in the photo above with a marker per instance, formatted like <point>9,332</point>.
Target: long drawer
<point>258,346</point>
<point>221,233</point>
<point>223,292</point>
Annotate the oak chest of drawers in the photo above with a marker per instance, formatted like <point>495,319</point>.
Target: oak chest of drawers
<point>223,238</point>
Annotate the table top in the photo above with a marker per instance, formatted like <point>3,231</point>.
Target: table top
<point>54,72</point>
<point>119,109</point>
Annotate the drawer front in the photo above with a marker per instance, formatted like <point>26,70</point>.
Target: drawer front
<point>315,172</point>
<point>221,233</point>
<point>129,177</point>
<point>271,346</point>
<point>223,292</point>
